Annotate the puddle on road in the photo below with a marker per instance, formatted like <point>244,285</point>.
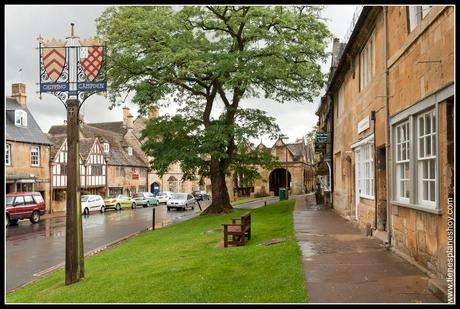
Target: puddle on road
<point>307,249</point>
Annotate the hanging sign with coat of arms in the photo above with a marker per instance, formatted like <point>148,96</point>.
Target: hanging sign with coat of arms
<point>56,77</point>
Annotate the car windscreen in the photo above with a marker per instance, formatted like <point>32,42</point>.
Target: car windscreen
<point>9,200</point>
<point>84,198</point>
<point>138,195</point>
<point>179,196</point>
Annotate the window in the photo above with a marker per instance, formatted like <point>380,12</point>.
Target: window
<point>365,170</point>
<point>19,200</point>
<point>38,199</point>
<point>130,151</point>
<point>96,170</point>
<point>416,13</point>
<point>7,154</point>
<point>106,147</point>
<point>426,161</point>
<point>20,118</point>
<point>402,162</point>
<point>35,155</point>
<point>28,200</point>
<point>63,169</point>
<point>340,101</point>
<point>367,62</point>
<point>120,171</point>
<point>415,154</point>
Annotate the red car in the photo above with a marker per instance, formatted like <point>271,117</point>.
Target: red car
<point>23,205</point>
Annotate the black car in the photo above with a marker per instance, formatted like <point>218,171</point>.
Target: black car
<point>200,195</point>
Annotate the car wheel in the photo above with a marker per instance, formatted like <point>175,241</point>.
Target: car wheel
<point>86,211</point>
<point>133,205</point>
<point>102,209</point>
<point>13,221</point>
<point>35,217</point>
<point>169,208</point>
<point>158,203</point>
<point>148,204</point>
<point>117,207</point>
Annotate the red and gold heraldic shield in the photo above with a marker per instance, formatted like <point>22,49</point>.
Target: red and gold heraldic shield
<point>53,56</point>
<point>91,59</point>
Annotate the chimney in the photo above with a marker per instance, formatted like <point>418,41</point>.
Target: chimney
<point>19,93</point>
<point>129,122</point>
<point>153,112</point>
<point>125,116</point>
<point>336,52</point>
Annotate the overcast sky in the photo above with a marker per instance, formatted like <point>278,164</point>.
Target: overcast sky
<point>24,23</point>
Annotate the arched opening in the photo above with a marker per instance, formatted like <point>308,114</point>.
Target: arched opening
<point>277,180</point>
<point>155,188</point>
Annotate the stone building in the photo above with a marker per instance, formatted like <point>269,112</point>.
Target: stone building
<point>295,170</point>
<point>27,148</point>
<point>389,101</point>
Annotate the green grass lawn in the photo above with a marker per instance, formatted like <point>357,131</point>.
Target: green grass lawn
<point>249,199</point>
<point>180,264</point>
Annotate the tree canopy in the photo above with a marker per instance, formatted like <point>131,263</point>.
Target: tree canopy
<point>206,59</point>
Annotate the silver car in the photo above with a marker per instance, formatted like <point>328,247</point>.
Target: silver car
<point>181,201</point>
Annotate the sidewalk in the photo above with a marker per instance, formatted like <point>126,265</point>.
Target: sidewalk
<point>342,265</point>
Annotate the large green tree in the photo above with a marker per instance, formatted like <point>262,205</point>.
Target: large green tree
<point>206,60</point>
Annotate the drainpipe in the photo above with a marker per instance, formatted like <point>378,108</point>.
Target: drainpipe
<point>373,116</point>
<point>387,124</point>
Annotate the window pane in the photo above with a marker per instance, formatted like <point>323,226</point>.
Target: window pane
<point>428,123</point>
<point>421,128</point>
<point>425,169</point>
<point>406,192</point>
<point>433,144</point>
<point>425,190</point>
<point>432,191</point>
<point>421,148</point>
<point>428,146</point>
<point>431,164</point>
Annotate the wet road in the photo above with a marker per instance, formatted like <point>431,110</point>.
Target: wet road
<point>32,249</point>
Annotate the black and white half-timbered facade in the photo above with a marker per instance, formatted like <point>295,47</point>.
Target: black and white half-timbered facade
<point>93,169</point>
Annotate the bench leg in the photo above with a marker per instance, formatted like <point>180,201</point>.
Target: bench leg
<point>225,237</point>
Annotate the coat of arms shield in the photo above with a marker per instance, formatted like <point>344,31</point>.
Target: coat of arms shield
<point>91,58</point>
<point>53,57</point>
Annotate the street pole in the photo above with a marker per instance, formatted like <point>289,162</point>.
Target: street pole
<point>287,184</point>
<point>74,261</point>
<point>74,267</point>
<point>69,69</point>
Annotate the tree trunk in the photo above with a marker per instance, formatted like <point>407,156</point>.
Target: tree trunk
<point>220,199</point>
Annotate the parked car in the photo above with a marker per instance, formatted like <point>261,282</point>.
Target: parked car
<point>145,199</point>
<point>181,201</point>
<point>200,195</point>
<point>163,197</point>
<point>23,205</point>
<point>91,203</point>
<point>119,201</point>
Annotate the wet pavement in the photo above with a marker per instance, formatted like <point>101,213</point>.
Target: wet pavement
<point>34,249</point>
<point>342,265</point>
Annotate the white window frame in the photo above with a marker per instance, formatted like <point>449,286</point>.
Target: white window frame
<point>426,156</point>
<point>416,13</point>
<point>7,154</point>
<point>130,151</point>
<point>402,160</point>
<point>364,167</point>
<point>367,62</point>
<point>20,118</point>
<point>36,150</point>
<point>106,147</point>
<point>417,158</point>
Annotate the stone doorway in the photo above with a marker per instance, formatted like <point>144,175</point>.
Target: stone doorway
<point>381,189</point>
<point>277,179</point>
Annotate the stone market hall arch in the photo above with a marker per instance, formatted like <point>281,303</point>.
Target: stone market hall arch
<point>277,179</point>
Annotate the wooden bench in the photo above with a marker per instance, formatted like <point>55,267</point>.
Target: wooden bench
<point>238,231</point>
